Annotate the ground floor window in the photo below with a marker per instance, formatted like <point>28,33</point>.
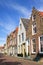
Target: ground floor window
<point>41,43</point>
<point>33,45</point>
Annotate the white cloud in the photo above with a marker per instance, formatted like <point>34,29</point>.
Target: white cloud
<point>21,9</point>
<point>17,7</point>
<point>9,25</point>
<point>40,8</point>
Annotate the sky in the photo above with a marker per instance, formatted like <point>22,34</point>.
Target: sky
<point>10,13</point>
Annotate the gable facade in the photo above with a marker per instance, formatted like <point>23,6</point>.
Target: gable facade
<point>22,43</point>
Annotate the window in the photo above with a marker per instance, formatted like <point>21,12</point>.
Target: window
<point>41,43</point>
<point>20,26</point>
<point>42,19</point>
<point>34,30</point>
<point>33,45</point>
<point>22,36</point>
<point>29,41</point>
<point>33,17</point>
<point>19,38</point>
<point>10,42</point>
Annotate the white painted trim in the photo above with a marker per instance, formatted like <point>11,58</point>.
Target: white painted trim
<point>32,46</point>
<point>32,30</point>
<point>40,45</point>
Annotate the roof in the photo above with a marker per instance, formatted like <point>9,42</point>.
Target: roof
<point>13,32</point>
<point>1,47</point>
<point>41,13</point>
<point>25,23</point>
<point>17,29</point>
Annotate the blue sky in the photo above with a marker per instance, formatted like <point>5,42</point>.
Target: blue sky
<point>10,13</point>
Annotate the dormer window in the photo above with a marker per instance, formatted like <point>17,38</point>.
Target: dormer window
<point>34,30</point>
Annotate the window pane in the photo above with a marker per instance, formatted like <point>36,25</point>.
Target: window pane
<point>34,45</point>
<point>19,38</point>
<point>41,42</point>
<point>20,26</point>
<point>34,28</point>
<point>41,38</point>
<point>22,36</point>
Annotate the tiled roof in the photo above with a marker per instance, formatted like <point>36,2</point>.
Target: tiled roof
<point>1,47</point>
<point>25,23</point>
<point>17,29</point>
<point>41,13</point>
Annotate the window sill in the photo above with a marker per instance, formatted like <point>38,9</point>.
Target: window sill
<point>33,53</point>
<point>34,34</point>
<point>41,52</point>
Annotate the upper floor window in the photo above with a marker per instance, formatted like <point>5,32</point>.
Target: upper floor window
<point>22,36</point>
<point>34,30</point>
<point>20,26</point>
<point>19,38</point>
<point>33,17</point>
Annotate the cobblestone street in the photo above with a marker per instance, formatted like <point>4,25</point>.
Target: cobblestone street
<point>7,60</point>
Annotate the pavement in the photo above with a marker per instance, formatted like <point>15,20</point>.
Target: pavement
<point>8,60</point>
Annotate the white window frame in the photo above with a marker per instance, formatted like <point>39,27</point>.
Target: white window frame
<point>32,30</point>
<point>32,18</point>
<point>32,47</point>
<point>40,45</point>
<point>22,36</point>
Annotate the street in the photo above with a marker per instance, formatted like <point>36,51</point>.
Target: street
<point>7,60</point>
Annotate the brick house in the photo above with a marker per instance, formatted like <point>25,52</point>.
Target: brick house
<point>8,44</point>
<point>12,43</point>
<point>35,33</point>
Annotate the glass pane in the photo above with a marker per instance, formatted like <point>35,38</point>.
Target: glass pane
<point>22,36</point>
<point>41,46</point>
<point>41,38</point>
<point>41,42</point>
<point>34,45</point>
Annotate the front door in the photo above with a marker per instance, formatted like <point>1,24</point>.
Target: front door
<point>23,50</point>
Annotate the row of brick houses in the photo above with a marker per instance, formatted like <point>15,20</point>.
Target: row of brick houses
<point>12,43</point>
<point>27,39</point>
